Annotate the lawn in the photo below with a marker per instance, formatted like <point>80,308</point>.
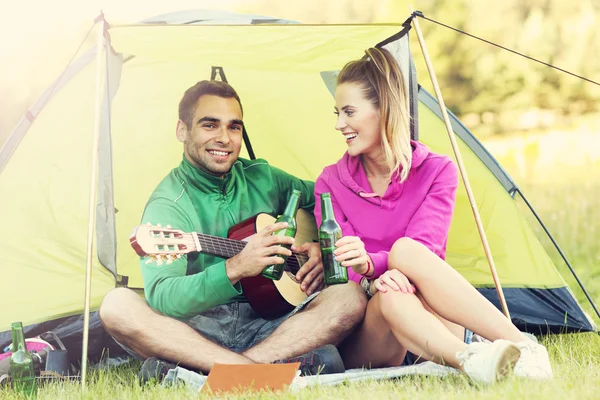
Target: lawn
<point>575,358</point>
<point>566,197</point>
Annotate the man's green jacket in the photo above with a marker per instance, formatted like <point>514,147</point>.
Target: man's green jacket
<point>195,201</point>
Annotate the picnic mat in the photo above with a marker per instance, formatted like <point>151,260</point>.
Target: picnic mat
<point>195,381</point>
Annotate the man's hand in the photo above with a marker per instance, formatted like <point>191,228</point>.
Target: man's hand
<point>310,275</point>
<point>261,251</point>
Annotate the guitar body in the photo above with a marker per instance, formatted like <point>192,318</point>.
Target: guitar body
<point>272,299</point>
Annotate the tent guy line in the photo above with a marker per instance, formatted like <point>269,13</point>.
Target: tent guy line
<point>562,255</point>
<point>420,14</point>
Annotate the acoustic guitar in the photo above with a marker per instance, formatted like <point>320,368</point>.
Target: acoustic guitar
<point>270,299</point>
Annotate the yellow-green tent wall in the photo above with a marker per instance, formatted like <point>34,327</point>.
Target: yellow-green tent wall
<point>288,111</point>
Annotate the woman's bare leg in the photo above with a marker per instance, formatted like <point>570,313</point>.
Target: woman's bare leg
<point>456,329</point>
<point>372,344</point>
<point>394,323</point>
<point>448,293</point>
<point>418,330</point>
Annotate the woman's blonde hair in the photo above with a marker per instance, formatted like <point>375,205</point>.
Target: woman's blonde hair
<point>383,83</point>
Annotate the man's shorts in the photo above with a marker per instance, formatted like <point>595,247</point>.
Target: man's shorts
<point>235,326</point>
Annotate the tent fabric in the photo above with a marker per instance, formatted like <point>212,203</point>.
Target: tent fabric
<point>44,208</point>
<point>471,141</point>
<point>23,126</point>
<point>293,48</point>
<point>48,168</point>
<point>198,17</point>
<point>105,209</point>
<point>537,296</point>
<point>542,310</point>
<point>278,72</point>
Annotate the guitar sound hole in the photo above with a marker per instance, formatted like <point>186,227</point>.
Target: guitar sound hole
<point>292,276</point>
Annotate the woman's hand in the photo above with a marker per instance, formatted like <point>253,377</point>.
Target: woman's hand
<point>351,253</point>
<point>395,280</point>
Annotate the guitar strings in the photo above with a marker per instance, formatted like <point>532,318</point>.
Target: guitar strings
<point>216,244</point>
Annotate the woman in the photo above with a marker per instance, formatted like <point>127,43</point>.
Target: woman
<point>394,200</point>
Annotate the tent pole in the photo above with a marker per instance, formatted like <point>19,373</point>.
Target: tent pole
<point>92,205</point>
<point>461,167</point>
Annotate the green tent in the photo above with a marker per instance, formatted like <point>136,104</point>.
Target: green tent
<point>283,72</point>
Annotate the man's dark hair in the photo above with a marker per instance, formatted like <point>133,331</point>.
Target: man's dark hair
<point>187,105</point>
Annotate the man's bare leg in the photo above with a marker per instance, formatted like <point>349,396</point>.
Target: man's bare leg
<point>328,319</point>
<point>129,319</point>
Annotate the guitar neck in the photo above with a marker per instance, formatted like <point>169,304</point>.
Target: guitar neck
<point>227,248</point>
<point>218,246</point>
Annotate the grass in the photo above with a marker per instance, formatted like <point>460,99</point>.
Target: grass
<point>576,361</point>
<point>567,204</point>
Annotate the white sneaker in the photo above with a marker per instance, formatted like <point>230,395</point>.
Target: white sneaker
<point>534,362</point>
<point>479,339</point>
<point>489,362</point>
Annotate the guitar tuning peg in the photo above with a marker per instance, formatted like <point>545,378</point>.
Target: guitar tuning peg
<point>159,225</point>
<point>150,259</point>
<point>169,226</point>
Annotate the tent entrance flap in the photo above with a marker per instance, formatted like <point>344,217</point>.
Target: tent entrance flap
<point>106,233</point>
<point>399,46</point>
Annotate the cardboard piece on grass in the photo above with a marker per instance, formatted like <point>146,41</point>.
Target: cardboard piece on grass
<point>232,377</point>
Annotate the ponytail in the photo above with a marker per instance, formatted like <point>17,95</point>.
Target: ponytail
<point>383,84</point>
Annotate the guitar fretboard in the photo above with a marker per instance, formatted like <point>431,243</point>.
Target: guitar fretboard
<point>219,246</point>
<point>227,248</point>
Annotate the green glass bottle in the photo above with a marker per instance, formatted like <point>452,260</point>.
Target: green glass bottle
<point>22,371</point>
<point>275,271</point>
<point>329,233</point>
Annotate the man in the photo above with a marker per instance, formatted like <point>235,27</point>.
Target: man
<point>194,312</point>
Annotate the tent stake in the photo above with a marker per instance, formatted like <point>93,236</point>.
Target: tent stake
<point>92,206</point>
<point>461,167</point>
